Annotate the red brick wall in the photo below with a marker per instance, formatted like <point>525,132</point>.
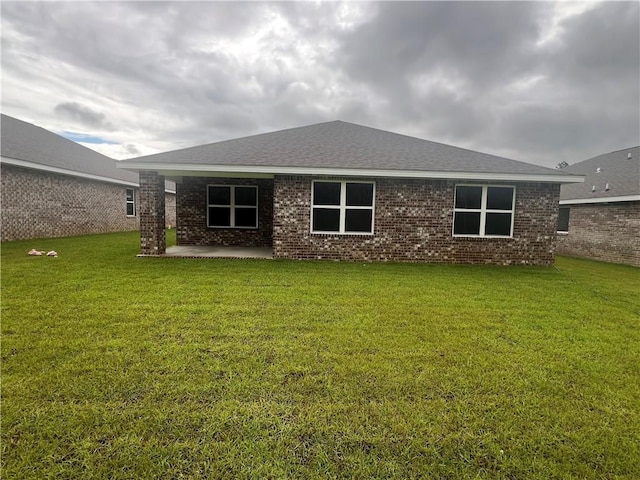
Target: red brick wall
<point>603,231</point>
<point>38,204</point>
<point>152,210</point>
<point>191,215</point>
<point>413,222</point>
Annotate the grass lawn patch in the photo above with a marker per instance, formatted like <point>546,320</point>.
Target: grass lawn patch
<point>121,367</point>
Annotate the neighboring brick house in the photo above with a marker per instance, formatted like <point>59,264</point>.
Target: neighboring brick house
<point>53,187</point>
<point>346,192</point>
<point>600,218</point>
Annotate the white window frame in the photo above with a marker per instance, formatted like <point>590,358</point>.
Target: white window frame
<point>130,202</point>
<point>483,210</point>
<point>232,206</point>
<point>343,207</point>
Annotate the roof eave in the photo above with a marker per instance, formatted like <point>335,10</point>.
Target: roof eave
<point>619,198</point>
<point>347,172</point>
<point>71,173</point>
<point>63,171</point>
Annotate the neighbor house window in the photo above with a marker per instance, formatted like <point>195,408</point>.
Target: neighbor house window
<point>483,211</point>
<point>342,207</point>
<point>131,202</point>
<point>232,206</point>
<point>563,219</point>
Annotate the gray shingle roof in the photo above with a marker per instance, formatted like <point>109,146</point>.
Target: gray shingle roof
<point>615,169</point>
<point>343,145</point>
<point>30,143</point>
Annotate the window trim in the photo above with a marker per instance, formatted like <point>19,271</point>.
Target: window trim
<point>232,206</point>
<point>343,207</point>
<point>483,210</point>
<point>130,202</point>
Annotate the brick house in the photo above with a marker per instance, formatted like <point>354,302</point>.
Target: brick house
<point>53,187</point>
<point>600,218</point>
<point>342,191</point>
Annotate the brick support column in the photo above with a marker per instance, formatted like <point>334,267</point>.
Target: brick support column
<point>152,233</point>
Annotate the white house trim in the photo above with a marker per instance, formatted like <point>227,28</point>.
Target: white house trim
<point>168,169</point>
<point>72,173</point>
<point>64,171</point>
<point>622,198</point>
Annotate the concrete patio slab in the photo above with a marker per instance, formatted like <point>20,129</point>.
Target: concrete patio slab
<point>216,252</point>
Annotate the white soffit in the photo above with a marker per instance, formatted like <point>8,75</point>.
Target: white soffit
<point>624,198</point>
<point>239,170</point>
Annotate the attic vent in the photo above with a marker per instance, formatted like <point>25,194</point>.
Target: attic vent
<point>606,187</point>
<point>593,189</point>
<point>598,170</point>
<point>629,156</point>
<point>562,165</point>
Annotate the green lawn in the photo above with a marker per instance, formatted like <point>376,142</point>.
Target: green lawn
<point>121,367</point>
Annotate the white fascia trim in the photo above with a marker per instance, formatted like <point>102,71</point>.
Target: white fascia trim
<point>352,172</point>
<point>63,171</point>
<point>47,168</point>
<point>622,198</point>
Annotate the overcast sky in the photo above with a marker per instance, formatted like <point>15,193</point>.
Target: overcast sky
<point>539,82</point>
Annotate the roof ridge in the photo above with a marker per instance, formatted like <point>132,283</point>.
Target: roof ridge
<point>338,121</point>
<point>447,145</point>
<point>23,141</point>
<point>603,155</point>
<point>608,153</point>
<point>228,140</point>
<point>50,132</point>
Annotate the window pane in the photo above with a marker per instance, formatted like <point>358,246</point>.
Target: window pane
<point>246,196</point>
<point>326,193</point>
<point>468,197</point>
<point>499,198</point>
<point>129,195</point>
<point>466,223</point>
<point>563,219</point>
<point>326,219</point>
<point>358,221</point>
<point>219,195</point>
<point>498,224</point>
<point>219,217</point>
<point>246,217</point>
<point>130,209</point>
<point>360,194</point>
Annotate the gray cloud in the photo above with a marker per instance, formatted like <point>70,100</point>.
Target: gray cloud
<point>467,60</point>
<point>475,74</point>
<point>83,115</point>
<point>590,101</point>
<point>132,149</point>
<point>476,45</point>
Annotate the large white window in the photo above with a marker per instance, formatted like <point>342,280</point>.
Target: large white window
<point>342,207</point>
<point>232,206</point>
<point>131,202</point>
<point>483,211</point>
